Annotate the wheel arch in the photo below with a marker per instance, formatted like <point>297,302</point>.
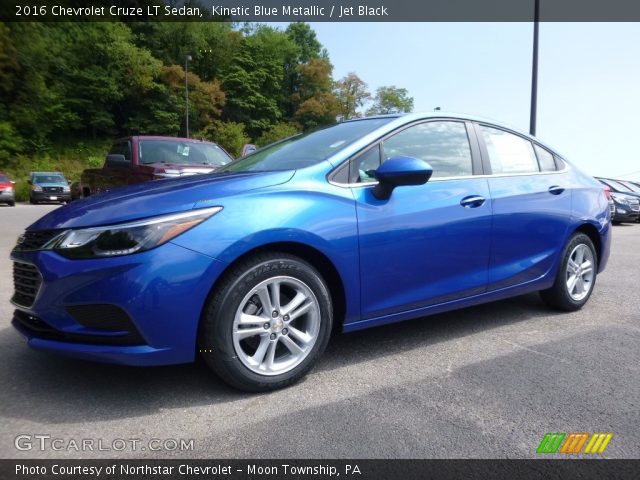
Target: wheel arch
<point>314,257</point>
<point>592,232</point>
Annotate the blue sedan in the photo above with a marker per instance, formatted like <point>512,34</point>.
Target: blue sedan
<point>364,223</point>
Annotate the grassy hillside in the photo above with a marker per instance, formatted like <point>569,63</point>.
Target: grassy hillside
<point>70,160</point>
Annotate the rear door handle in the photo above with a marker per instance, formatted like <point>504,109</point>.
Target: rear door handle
<point>556,190</point>
<point>472,201</point>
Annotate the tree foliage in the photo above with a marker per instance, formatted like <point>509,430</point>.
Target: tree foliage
<point>352,94</point>
<point>391,100</point>
<point>65,83</point>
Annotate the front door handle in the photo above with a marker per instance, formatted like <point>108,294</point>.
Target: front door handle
<point>472,201</point>
<point>556,190</point>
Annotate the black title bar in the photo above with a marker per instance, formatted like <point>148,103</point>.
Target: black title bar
<point>322,10</point>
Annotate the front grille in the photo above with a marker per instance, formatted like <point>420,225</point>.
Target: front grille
<point>52,189</point>
<point>634,203</point>
<point>35,240</point>
<point>26,282</point>
<point>612,208</point>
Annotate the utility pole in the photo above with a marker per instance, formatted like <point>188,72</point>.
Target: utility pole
<point>534,69</point>
<point>187,59</point>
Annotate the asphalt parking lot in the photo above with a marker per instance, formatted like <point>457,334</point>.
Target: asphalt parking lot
<point>485,382</point>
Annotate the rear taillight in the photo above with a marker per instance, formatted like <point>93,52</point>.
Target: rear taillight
<point>607,192</point>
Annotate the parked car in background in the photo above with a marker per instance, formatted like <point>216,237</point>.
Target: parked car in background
<point>48,187</point>
<point>133,160</point>
<point>627,201</point>
<point>627,208</point>
<point>364,223</point>
<point>7,190</point>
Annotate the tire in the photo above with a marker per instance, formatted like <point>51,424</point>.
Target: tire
<point>257,354</point>
<point>32,201</point>
<point>12,203</point>
<point>559,296</point>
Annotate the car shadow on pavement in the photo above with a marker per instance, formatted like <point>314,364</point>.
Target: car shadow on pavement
<point>49,388</point>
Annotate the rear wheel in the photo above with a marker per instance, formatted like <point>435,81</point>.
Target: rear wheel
<point>576,275</point>
<point>12,203</point>
<point>267,323</point>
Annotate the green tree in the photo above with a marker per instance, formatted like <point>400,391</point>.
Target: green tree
<point>229,135</point>
<point>255,80</point>
<point>277,132</point>
<point>352,94</point>
<point>391,100</point>
<point>314,101</point>
<point>305,38</point>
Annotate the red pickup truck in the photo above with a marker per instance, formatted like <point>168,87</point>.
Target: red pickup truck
<point>143,158</point>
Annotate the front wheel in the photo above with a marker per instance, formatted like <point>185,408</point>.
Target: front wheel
<point>267,323</point>
<point>576,275</point>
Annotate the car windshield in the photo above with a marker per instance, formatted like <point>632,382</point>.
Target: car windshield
<point>618,186</point>
<point>49,179</point>
<point>632,187</point>
<point>307,149</point>
<point>191,153</point>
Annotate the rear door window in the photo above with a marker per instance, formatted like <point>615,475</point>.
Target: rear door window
<point>121,148</point>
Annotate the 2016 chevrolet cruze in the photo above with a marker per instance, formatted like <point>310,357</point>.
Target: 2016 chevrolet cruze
<point>364,223</point>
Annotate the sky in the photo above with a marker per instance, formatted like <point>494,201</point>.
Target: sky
<point>588,79</point>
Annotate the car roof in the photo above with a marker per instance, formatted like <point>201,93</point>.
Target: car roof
<point>47,173</point>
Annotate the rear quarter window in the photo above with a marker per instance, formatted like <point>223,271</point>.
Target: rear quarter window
<point>509,153</point>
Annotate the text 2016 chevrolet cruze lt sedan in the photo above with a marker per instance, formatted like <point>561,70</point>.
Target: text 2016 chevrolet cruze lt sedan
<point>364,223</point>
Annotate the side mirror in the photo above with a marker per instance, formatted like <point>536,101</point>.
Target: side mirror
<point>29,181</point>
<point>400,171</point>
<point>247,149</point>
<point>117,160</point>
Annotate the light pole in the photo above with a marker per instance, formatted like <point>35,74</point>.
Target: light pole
<point>534,70</point>
<point>187,59</point>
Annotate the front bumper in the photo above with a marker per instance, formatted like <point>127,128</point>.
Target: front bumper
<point>624,213</point>
<point>50,197</point>
<point>7,196</point>
<point>162,292</point>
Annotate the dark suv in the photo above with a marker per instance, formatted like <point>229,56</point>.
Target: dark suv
<point>627,202</point>
<point>48,187</point>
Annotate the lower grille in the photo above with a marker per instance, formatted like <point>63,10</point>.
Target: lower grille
<point>108,318</point>
<point>26,281</point>
<point>36,327</point>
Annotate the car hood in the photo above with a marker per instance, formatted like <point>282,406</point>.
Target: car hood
<point>157,198</point>
<point>51,184</point>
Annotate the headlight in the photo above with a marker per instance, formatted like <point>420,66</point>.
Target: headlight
<point>620,199</point>
<point>127,238</point>
<point>66,188</point>
<point>36,188</point>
